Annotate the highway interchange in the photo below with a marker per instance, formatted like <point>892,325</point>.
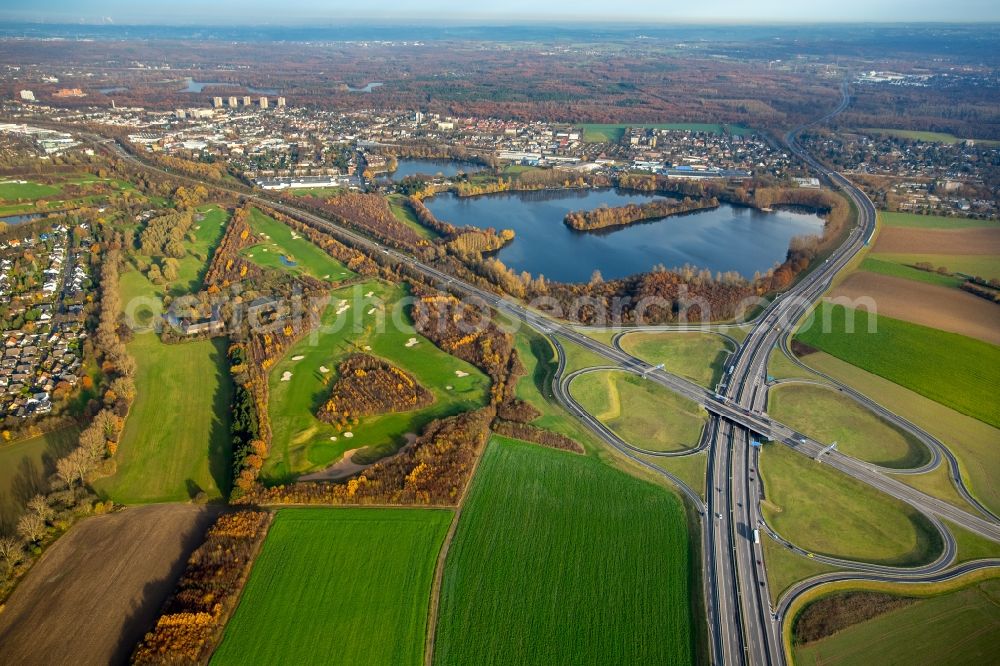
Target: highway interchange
<point>744,628</point>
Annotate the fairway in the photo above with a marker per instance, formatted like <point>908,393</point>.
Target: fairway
<point>302,443</point>
<point>176,439</point>
<point>960,627</point>
<point>828,416</point>
<point>641,412</point>
<point>957,371</point>
<point>560,559</point>
<point>829,513</point>
<point>334,585</point>
<point>287,250</point>
<point>697,356</point>
<point>26,191</point>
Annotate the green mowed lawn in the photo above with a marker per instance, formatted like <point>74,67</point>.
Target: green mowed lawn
<point>176,439</point>
<point>928,137</point>
<point>786,567</point>
<point>697,356</point>
<point>613,132</point>
<point>957,371</point>
<point>13,191</point>
<point>338,586</point>
<point>829,416</point>
<point>959,627</point>
<point>873,264</point>
<point>25,467</point>
<point>403,213</point>
<point>640,411</point>
<point>561,559</point>
<point>914,221</point>
<point>535,387</point>
<point>285,249</point>
<point>982,265</point>
<point>301,442</point>
<point>971,440</point>
<point>207,233</point>
<point>829,513</point>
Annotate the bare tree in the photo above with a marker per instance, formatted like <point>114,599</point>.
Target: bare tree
<point>41,507</point>
<point>31,527</point>
<point>11,550</point>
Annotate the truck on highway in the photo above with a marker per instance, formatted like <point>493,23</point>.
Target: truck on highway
<point>756,536</point>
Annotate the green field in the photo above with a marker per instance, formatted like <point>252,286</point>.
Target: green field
<point>927,137</point>
<point>640,411</point>
<point>972,441</point>
<point>829,513</point>
<point>873,264</point>
<point>785,567</point>
<point>829,416</point>
<point>690,469</point>
<point>535,387</point>
<point>403,213</point>
<point>286,250</point>
<point>613,132</point>
<point>25,466</point>
<point>560,559</point>
<point>334,585</point>
<point>779,366</point>
<point>981,265</point>
<point>176,438</point>
<point>318,192</point>
<point>959,627</point>
<point>207,234</point>
<point>301,442</point>
<point>11,191</point>
<point>957,371</point>
<point>914,221</point>
<point>697,356</point>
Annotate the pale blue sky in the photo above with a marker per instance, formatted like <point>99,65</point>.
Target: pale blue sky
<point>186,12</point>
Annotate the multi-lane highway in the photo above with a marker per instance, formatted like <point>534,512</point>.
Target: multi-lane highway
<point>745,629</point>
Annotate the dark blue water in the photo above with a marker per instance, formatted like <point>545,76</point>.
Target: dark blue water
<point>192,86</point>
<point>446,168</point>
<point>728,238</point>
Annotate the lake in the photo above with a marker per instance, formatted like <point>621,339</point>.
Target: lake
<point>447,168</point>
<point>192,86</point>
<point>728,238</point>
<point>12,220</point>
<point>368,87</point>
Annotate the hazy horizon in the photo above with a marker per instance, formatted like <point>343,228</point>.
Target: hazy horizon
<point>309,12</point>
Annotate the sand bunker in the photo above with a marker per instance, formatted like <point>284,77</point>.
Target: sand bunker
<point>298,357</point>
<point>459,373</point>
<point>411,342</point>
<point>286,376</point>
<point>324,369</point>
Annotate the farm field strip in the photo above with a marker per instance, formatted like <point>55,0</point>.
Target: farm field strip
<point>607,582</point>
<point>347,584</point>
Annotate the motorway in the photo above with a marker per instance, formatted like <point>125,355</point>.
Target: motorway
<point>744,627</point>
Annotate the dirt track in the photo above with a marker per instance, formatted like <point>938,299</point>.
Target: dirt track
<point>902,240</point>
<point>100,587</point>
<point>927,304</point>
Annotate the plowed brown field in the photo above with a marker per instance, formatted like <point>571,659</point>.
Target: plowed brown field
<point>904,240</point>
<point>927,304</point>
<point>100,587</point>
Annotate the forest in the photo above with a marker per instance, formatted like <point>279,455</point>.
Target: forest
<point>367,385</point>
<point>605,217</point>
